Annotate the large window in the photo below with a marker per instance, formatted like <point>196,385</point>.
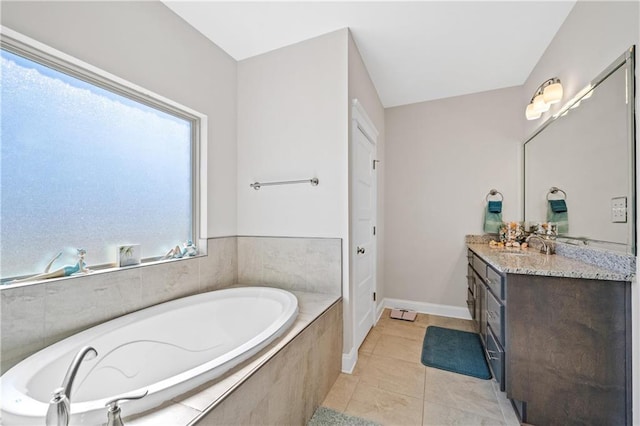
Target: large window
<point>89,165</point>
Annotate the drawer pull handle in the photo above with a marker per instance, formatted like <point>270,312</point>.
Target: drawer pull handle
<point>491,357</point>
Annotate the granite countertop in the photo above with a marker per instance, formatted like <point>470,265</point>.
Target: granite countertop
<point>531,262</point>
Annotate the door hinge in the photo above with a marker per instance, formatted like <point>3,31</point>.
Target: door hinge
<point>374,296</point>
<point>374,230</point>
<point>374,163</point>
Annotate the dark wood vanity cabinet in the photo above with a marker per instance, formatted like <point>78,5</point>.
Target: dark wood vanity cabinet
<point>569,350</point>
<point>560,347</point>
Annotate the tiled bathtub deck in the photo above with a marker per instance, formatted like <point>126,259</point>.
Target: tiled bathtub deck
<point>391,386</point>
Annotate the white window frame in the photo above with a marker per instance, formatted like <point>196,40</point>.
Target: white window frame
<point>34,50</point>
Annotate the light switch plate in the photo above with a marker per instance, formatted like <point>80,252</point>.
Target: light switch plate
<point>619,210</point>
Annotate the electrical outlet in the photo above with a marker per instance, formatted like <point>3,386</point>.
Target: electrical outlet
<point>619,210</point>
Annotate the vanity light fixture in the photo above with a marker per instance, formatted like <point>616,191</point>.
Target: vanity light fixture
<point>548,93</point>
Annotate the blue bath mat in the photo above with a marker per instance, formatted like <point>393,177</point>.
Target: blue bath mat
<point>455,350</point>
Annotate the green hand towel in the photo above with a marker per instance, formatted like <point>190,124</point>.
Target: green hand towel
<point>492,222</point>
<point>559,218</point>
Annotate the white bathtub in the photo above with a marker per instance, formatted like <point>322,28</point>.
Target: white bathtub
<point>167,349</point>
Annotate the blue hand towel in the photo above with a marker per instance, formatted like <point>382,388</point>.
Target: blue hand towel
<point>495,206</point>
<point>558,206</point>
<point>492,221</point>
<point>560,217</point>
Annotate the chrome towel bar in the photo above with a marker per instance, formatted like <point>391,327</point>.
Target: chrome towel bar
<point>312,181</point>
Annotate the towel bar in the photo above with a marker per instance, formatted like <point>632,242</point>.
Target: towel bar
<point>312,181</point>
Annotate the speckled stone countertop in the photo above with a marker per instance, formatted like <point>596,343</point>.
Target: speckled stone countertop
<point>531,262</point>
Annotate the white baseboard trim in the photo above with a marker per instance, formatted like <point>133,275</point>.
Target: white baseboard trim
<point>349,361</point>
<point>428,308</point>
<point>379,310</point>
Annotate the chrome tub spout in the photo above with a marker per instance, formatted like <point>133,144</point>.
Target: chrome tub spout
<point>59,411</point>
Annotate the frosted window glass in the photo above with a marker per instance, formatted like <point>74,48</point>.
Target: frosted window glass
<point>85,167</point>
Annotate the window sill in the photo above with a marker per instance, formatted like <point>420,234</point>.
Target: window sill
<point>99,270</point>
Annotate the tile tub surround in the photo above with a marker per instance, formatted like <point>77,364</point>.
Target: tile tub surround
<point>306,264</point>
<point>531,262</point>
<point>283,384</point>
<point>33,316</point>
<point>390,385</point>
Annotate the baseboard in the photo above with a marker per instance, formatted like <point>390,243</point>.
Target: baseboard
<point>349,361</point>
<point>428,308</point>
<point>379,309</point>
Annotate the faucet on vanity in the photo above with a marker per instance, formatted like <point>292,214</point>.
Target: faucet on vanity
<point>59,410</point>
<point>547,246</point>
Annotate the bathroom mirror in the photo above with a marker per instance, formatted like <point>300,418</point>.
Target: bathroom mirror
<point>587,150</point>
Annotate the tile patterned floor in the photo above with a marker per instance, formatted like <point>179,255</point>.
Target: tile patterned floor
<point>390,385</point>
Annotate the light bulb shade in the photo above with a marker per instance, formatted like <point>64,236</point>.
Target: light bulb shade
<point>540,105</point>
<point>531,113</point>
<point>552,93</point>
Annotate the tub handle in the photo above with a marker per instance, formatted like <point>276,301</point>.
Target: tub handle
<point>113,409</point>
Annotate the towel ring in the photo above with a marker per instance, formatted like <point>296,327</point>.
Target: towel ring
<point>493,193</point>
<point>555,190</point>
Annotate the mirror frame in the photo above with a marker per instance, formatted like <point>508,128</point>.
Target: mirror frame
<point>627,58</point>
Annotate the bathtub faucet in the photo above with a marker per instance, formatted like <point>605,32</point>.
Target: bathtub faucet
<point>59,410</point>
<point>113,409</point>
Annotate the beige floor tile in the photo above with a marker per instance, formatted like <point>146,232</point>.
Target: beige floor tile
<point>370,341</point>
<point>454,323</point>
<point>341,392</point>
<point>388,377</point>
<point>387,408</point>
<point>399,348</point>
<point>363,359</point>
<point>394,375</point>
<point>462,392</point>
<point>404,329</point>
<point>508,412</point>
<point>422,320</point>
<point>441,415</point>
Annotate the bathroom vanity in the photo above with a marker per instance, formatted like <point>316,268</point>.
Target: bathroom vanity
<point>556,333</point>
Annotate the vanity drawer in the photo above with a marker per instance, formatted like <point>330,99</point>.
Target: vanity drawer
<point>495,281</point>
<point>480,267</point>
<point>471,282</point>
<point>495,356</point>
<point>495,314</point>
<point>469,257</point>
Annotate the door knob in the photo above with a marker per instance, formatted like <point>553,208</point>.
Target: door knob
<point>360,250</point>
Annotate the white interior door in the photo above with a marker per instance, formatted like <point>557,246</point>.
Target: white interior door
<point>363,243</point>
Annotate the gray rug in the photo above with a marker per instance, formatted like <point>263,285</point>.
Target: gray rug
<point>324,416</point>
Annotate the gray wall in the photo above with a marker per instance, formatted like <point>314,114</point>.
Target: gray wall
<point>147,44</point>
<point>443,157</point>
<point>594,34</point>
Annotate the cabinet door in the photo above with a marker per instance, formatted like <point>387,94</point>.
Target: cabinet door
<point>569,350</point>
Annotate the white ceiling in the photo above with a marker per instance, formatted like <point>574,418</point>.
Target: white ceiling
<point>414,51</point>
